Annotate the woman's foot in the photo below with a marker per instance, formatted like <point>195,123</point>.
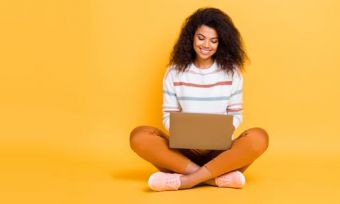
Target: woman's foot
<point>161,181</point>
<point>234,179</point>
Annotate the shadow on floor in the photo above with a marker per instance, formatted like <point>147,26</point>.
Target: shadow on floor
<point>143,174</point>
<point>132,174</point>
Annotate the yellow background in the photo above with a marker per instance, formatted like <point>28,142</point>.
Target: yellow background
<point>77,76</point>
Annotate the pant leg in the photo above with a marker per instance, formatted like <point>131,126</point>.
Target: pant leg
<point>244,150</point>
<point>152,145</point>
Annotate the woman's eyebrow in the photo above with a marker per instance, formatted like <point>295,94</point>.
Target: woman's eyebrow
<point>205,36</point>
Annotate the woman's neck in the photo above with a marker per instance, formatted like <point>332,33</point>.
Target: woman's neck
<point>203,64</point>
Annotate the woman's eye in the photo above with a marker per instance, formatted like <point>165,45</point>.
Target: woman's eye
<point>214,41</point>
<point>200,38</point>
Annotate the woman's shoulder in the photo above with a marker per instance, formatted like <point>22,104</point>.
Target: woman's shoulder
<point>238,73</point>
<point>170,71</point>
<point>237,76</point>
<point>234,74</point>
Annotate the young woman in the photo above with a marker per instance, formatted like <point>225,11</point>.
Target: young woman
<point>204,76</point>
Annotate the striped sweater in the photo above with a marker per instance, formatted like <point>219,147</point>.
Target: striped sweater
<point>196,90</point>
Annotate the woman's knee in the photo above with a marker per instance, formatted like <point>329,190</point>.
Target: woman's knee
<point>138,136</point>
<point>259,139</point>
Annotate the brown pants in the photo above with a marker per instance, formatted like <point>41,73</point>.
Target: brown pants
<point>152,144</point>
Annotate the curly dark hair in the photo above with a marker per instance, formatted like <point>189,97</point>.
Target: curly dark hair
<point>230,53</point>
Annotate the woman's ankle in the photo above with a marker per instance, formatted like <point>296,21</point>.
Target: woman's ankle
<point>185,182</point>
<point>193,179</point>
<point>211,182</point>
<point>191,168</point>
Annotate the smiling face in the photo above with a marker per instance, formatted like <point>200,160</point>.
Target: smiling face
<point>205,43</point>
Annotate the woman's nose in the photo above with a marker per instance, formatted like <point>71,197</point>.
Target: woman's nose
<point>206,44</point>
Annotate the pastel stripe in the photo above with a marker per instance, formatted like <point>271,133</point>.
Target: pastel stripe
<point>236,92</point>
<point>169,93</point>
<point>234,110</point>
<point>222,83</point>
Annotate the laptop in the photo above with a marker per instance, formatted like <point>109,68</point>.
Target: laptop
<point>200,131</point>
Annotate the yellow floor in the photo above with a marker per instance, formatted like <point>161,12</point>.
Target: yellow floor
<point>39,175</point>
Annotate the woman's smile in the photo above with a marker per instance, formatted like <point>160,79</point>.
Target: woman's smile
<point>205,51</point>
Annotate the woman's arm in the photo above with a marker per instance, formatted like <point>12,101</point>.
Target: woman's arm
<point>235,105</point>
<point>170,102</point>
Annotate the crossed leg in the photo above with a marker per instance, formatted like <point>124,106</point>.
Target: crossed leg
<point>152,145</point>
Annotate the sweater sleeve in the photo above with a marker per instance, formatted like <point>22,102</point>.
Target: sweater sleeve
<point>235,106</point>
<point>170,102</point>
